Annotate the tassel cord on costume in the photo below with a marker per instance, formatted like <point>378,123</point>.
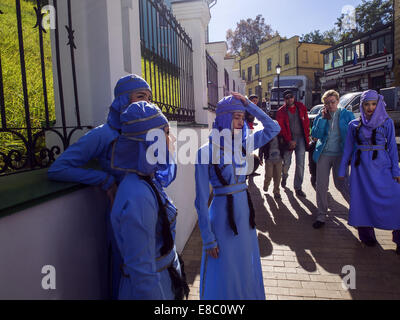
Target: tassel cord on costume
<point>359,142</point>
<point>166,230</point>
<point>358,154</point>
<point>375,154</point>
<point>231,217</point>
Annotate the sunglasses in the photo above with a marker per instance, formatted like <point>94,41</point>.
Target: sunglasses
<point>289,97</point>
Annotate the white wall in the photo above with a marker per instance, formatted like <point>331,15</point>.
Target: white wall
<point>217,50</point>
<point>183,193</point>
<point>99,56</point>
<point>67,233</point>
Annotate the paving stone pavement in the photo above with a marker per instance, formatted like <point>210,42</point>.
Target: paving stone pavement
<point>301,263</point>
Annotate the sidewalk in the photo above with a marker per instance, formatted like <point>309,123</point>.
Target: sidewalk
<point>302,263</point>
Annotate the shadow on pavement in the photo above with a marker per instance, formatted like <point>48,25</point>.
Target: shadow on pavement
<point>326,252</point>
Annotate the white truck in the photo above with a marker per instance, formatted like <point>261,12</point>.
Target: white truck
<point>300,85</point>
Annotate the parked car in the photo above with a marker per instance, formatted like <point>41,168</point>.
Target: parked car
<point>350,101</point>
<point>314,112</point>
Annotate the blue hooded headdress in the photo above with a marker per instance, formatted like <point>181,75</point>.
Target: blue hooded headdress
<point>122,91</point>
<point>378,118</point>
<point>129,151</point>
<point>225,110</point>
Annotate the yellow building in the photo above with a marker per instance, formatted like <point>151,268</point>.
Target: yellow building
<point>295,58</point>
<point>397,41</point>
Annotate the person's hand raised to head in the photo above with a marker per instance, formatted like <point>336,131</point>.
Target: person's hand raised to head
<point>240,97</point>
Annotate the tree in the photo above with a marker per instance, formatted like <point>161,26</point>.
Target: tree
<point>370,14</point>
<point>248,35</point>
<point>328,37</point>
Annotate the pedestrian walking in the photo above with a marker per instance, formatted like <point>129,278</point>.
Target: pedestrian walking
<point>295,125</point>
<point>272,155</point>
<point>330,128</point>
<point>143,217</point>
<point>375,172</point>
<point>249,117</point>
<point>231,265</point>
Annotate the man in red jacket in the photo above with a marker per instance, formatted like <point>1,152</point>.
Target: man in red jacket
<point>295,131</point>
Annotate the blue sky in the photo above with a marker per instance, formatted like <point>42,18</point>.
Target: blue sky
<point>289,17</point>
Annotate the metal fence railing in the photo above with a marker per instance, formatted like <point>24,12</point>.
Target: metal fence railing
<point>212,82</point>
<point>27,107</point>
<point>167,60</point>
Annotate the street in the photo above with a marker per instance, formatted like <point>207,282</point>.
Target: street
<point>302,263</point>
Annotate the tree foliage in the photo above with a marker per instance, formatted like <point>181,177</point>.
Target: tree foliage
<point>248,35</point>
<point>329,37</point>
<point>370,14</point>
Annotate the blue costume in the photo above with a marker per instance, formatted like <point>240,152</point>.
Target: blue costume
<point>97,144</point>
<point>229,222</point>
<point>374,194</point>
<point>143,216</point>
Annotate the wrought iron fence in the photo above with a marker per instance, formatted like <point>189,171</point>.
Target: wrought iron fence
<point>27,107</point>
<point>167,60</point>
<point>212,82</point>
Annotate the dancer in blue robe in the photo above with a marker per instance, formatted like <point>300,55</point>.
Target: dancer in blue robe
<point>231,265</point>
<point>143,216</point>
<point>375,172</point>
<point>96,144</point>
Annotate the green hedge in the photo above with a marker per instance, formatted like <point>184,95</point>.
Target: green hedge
<point>11,69</point>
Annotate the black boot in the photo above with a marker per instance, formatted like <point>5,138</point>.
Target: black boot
<point>318,224</point>
<point>283,182</point>
<point>370,243</point>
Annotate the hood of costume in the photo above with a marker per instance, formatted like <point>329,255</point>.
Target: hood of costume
<point>122,92</point>
<point>130,149</point>
<point>379,116</point>
<point>225,110</point>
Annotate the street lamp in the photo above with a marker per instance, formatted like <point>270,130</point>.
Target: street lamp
<point>278,72</point>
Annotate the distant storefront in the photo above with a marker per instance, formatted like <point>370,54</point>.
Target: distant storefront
<point>362,63</point>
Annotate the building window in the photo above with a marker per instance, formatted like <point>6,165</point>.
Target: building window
<point>243,75</point>
<point>287,60</point>
<point>249,71</point>
<point>269,64</point>
<point>234,85</point>
<point>269,86</point>
<point>305,56</point>
<point>257,69</point>
<point>317,59</point>
<point>333,59</point>
<point>250,92</point>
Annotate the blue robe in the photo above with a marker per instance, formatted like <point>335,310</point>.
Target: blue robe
<point>137,227</point>
<point>374,194</point>
<point>236,274</point>
<point>96,144</point>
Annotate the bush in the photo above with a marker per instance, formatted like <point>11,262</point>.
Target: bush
<point>11,72</point>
